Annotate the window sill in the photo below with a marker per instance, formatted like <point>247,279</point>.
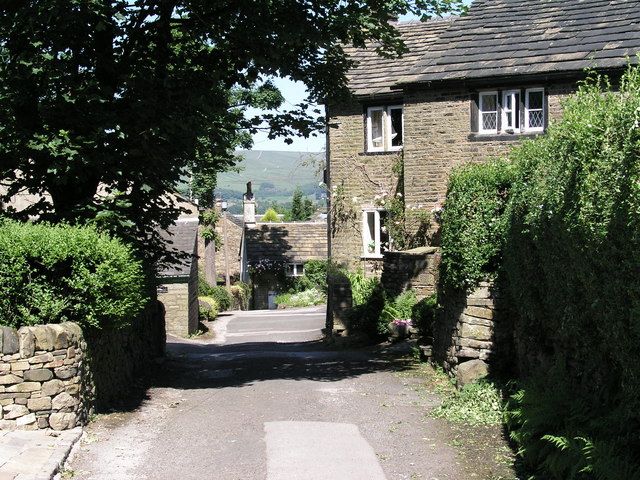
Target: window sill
<point>372,257</point>
<point>502,137</point>
<point>374,154</point>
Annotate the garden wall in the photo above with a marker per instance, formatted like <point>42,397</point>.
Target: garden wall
<point>415,269</point>
<point>473,327</point>
<point>54,376</point>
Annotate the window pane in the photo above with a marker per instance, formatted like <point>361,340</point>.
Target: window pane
<point>488,103</point>
<point>489,121</point>
<point>396,127</point>
<point>384,233</point>
<point>535,100</point>
<point>536,119</point>
<point>376,129</point>
<point>371,225</point>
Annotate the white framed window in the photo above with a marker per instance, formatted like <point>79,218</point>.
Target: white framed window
<point>488,112</point>
<point>295,269</point>
<point>511,111</point>
<point>375,238</point>
<point>534,114</point>
<point>385,128</point>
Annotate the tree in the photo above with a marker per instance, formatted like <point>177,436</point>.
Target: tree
<point>301,208</point>
<point>106,111</point>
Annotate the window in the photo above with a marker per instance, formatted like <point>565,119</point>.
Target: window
<point>534,110</point>
<point>384,128</point>
<point>295,269</point>
<point>375,238</point>
<point>489,112</point>
<point>509,111</point>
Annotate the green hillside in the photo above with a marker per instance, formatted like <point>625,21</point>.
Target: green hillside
<point>274,175</point>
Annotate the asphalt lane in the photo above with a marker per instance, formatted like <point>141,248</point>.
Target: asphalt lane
<point>265,400</point>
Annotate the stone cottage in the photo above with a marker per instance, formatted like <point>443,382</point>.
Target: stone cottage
<point>178,283</point>
<point>276,249</point>
<point>468,90</point>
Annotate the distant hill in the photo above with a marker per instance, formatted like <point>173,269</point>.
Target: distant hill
<point>274,176</point>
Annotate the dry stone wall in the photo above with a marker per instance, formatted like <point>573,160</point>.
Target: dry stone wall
<point>41,377</point>
<point>415,269</point>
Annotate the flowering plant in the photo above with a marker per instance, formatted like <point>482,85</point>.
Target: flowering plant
<point>399,322</point>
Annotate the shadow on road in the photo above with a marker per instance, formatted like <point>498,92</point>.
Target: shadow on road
<point>191,366</point>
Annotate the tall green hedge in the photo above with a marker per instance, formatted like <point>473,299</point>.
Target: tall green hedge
<point>52,274</point>
<point>561,223</point>
<point>473,223</point>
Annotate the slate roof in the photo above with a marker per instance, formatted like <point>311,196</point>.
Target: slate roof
<point>183,236</point>
<point>516,37</point>
<point>290,242</point>
<point>374,74</point>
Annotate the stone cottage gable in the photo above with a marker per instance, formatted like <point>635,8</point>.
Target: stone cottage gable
<point>542,37</point>
<point>374,75</point>
<point>286,242</point>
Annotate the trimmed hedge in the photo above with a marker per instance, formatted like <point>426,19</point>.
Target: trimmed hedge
<point>58,273</point>
<point>565,215</point>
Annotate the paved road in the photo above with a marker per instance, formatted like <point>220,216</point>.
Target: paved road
<point>267,401</point>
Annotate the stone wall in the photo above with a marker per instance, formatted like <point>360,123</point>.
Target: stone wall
<point>55,376</point>
<point>180,301</point>
<point>473,327</point>
<point>41,377</point>
<point>415,269</point>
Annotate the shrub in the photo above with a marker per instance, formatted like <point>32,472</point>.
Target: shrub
<point>474,225</point>
<point>57,273</point>
<point>220,294</point>
<point>368,302</point>
<point>241,293</point>
<point>424,314</point>
<point>315,273</point>
<point>399,308</point>
<point>572,266</point>
<point>210,310</point>
<point>270,216</point>
<point>306,298</point>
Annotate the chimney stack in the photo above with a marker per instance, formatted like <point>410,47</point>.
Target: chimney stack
<point>249,208</point>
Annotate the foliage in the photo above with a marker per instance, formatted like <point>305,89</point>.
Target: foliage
<point>220,294</point>
<point>424,315</point>
<point>52,274</point>
<point>560,434</point>
<point>473,223</point>
<point>368,302</point>
<point>127,97</point>
<point>270,216</point>
<point>315,276</point>
<point>478,403</point>
<point>301,208</point>
<point>306,298</point>
<point>241,293</point>
<point>210,311</point>
<point>208,220</point>
<point>399,308</point>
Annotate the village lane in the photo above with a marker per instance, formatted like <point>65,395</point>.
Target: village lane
<point>267,400</point>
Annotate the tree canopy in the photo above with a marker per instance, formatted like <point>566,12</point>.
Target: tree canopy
<point>106,105</point>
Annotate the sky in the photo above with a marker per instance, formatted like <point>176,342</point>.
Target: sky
<point>295,92</point>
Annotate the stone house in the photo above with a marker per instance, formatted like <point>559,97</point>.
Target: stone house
<point>468,90</point>
<point>178,283</point>
<point>277,250</point>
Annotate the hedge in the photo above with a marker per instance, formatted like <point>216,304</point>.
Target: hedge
<point>58,273</point>
<point>560,221</point>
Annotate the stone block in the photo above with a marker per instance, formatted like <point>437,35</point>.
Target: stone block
<point>42,358</point>
<point>11,412</point>
<point>71,352</point>
<point>54,364</point>
<point>28,422</point>
<point>5,367</point>
<point>20,401</point>
<point>475,320</point>
<point>45,337</point>
<point>475,332</point>
<point>61,338</point>
<point>73,389</point>
<point>40,375</point>
<point>480,312</point>
<point>467,352</point>
<point>10,341</point>
<point>64,402</point>
<point>9,379</point>
<point>38,404</point>
<point>468,342</point>
<point>52,387</point>
<point>62,421</point>
<point>43,422</point>
<point>64,373</point>
<point>27,342</point>
<point>469,372</point>
<point>20,366</point>
<point>24,387</point>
